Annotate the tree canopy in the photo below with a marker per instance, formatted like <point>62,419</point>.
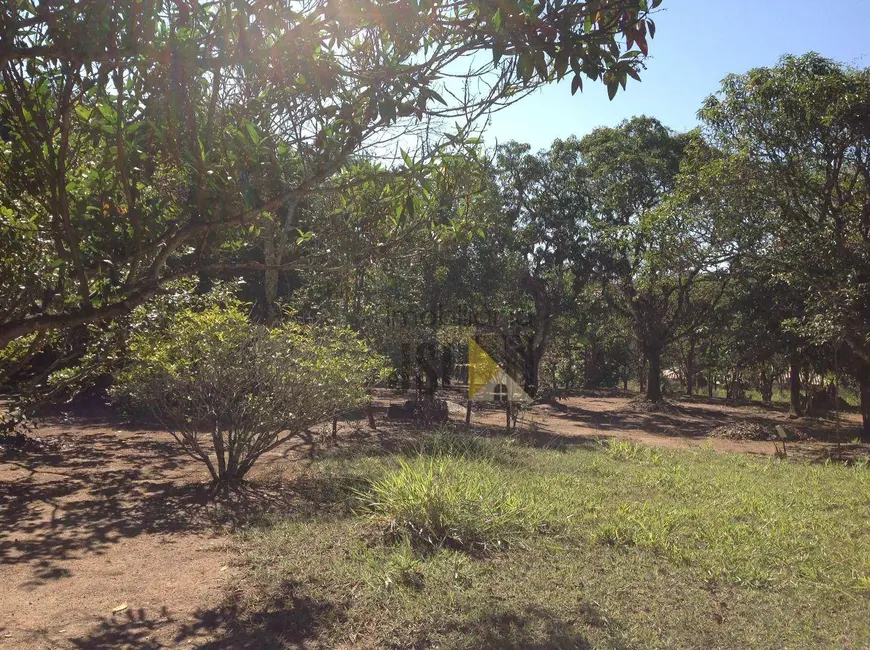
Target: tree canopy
<point>145,140</point>
<point>322,161</point>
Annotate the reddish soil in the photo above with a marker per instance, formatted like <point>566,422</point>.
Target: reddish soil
<point>116,517</point>
<point>685,425</point>
<point>112,518</point>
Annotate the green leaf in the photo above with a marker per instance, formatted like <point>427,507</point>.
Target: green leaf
<point>436,96</point>
<point>303,237</point>
<point>496,20</point>
<point>524,65</point>
<point>576,84</point>
<point>497,51</point>
<point>562,61</point>
<point>252,133</point>
<point>541,66</point>
<point>108,113</point>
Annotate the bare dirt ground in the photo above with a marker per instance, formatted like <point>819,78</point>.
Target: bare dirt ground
<point>109,539</point>
<point>112,519</point>
<point>686,424</point>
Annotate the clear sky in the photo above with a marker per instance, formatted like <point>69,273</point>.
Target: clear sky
<point>697,43</point>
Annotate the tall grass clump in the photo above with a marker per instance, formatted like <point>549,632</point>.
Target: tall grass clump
<point>448,502</point>
<point>625,450</point>
<point>447,441</point>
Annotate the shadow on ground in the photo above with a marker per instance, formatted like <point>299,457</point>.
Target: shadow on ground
<point>693,420</point>
<point>292,623</point>
<point>533,627</point>
<point>94,488</point>
<point>299,621</point>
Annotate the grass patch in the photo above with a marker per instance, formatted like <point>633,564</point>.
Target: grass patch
<point>625,450</point>
<point>644,548</point>
<point>449,442</point>
<point>449,502</point>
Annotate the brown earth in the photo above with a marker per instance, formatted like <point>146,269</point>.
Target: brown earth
<point>686,424</point>
<point>110,540</point>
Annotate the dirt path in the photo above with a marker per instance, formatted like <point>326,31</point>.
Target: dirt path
<point>685,426</point>
<point>111,519</point>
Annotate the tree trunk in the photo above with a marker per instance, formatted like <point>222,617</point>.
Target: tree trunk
<point>734,389</point>
<point>272,254</point>
<point>532,373</point>
<point>690,369</point>
<point>536,346</point>
<point>217,440</point>
<point>767,387</point>
<point>795,407</point>
<point>446,365</point>
<point>641,375</point>
<point>654,376</point>
<point>864,386</point>
<point>711,378</point>
<point>427,359</point>
<point>405,369</point>
<point>370,412</point>
<point>274,244</point>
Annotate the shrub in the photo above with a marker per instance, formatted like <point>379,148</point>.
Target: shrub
<point>229,390</point>
<point>444,501</point>
<point>64,367</point>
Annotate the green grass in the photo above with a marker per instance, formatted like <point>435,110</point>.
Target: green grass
<point>612,545</point>
<point>447,502</point>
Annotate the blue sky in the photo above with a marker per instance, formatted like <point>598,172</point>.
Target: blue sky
<point>697,43</point>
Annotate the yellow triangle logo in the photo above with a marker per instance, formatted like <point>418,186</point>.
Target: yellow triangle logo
<point>481,368</point>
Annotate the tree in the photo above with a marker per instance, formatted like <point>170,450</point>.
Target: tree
<point>402,302</point>
<point>804,127</point>
<point>545,207</point>
<point>229,390</point>
<point>669,228</point>
<point>144,140</point>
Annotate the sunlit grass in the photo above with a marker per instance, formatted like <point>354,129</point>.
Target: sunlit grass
<point>617,545</point>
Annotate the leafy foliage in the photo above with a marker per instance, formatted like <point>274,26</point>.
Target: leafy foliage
<point>658,243</point>
<point>800,129</point>
<point>229,391</point>
<point>146,141</point>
